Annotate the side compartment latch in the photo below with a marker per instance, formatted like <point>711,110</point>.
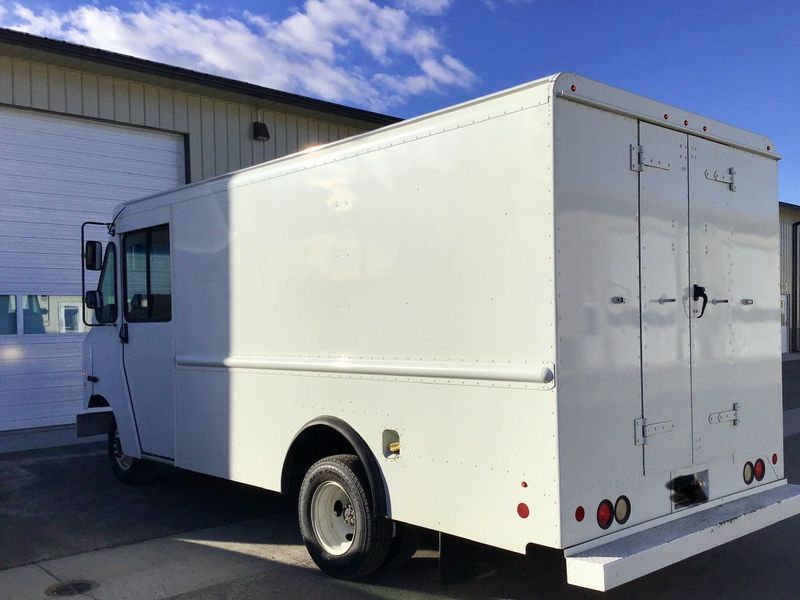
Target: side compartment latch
<point>642,430</point>
<point>728,178</point>
<point>726,416</point>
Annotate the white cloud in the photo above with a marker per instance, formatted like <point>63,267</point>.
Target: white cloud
<point>428,7</point>
<point>354,51</point>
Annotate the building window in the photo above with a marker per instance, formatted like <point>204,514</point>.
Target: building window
<point>147,281</point>
<point>44,313</point>
<point>8,314</point>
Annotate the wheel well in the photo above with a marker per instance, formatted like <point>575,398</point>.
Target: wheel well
<point>97,401</point>
<point>326,436</point>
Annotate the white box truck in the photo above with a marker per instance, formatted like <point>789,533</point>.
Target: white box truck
<point>547,316</point>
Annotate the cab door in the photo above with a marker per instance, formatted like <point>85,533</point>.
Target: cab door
<point>147,337</point>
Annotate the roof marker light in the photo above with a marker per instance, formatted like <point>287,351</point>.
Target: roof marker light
<point>573,87</point>
<point>524,484</point>
<point>666,116</point>
<point>686,122</point>
<point>522,510</point>
<point>705,128</point>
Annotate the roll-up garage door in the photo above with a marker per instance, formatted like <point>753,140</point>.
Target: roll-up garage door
<point>55,173</point>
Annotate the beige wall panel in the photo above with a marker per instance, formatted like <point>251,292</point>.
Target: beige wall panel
<point>313,132</point>
<point>302,133</point>
<point>105,89</point>
<point>122,104</point>
<point>91,102</point>
<point>150,106</point>
<point>22,82</point>
<point>266,150</point>
<point>74,92</point>
<point>180,115</point>
<point>6,81</point>
<point>280,134</point>
<point>220,136</point>
<point>291,134</point>
<point>207,137</point>
<point>136,102</point>
<point>246,141</point>
<point>234,133</point>
<point>56,89</point>
<point>39,91</point>
<point>195,129</point>
<point>166,116</point>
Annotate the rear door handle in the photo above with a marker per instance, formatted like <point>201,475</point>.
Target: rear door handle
<point>719,301</point>
<point>698,291</point>
<point>666,300</point>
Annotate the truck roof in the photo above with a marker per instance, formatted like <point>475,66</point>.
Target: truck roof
<point>568,86</point>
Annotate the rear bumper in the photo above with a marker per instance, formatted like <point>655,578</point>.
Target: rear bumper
<point>624,559</point>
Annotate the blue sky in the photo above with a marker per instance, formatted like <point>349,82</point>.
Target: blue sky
<point>734,61</point>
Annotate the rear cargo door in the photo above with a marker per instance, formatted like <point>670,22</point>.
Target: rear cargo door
<point>734,256</point>
<point>666,429</point>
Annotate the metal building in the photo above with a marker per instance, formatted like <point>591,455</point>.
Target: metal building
<point>81,130</point>
<point>790,307</point>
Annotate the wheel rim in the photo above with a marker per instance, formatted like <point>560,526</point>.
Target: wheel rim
<point>333,518</point>
<point>123,462</point>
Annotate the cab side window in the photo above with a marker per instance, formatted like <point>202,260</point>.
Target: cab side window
<point>107,286</point>
<point>148,285</point>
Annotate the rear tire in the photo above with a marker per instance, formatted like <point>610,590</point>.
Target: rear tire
<point>129,470</point>
<point>341,527</point>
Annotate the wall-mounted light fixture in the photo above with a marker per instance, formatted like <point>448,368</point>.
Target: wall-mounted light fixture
<point>260,131</point>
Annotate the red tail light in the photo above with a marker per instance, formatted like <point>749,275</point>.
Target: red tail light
<point>759,470</point>
<point>580,513</point>
<point>605,514</point>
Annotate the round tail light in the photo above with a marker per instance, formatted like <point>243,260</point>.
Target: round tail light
<point>605,514</point>
<point>748,472</point>
<point>759,470</point>
<point>622,510</point>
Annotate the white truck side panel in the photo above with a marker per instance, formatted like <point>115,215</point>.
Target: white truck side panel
<point>434,253</point>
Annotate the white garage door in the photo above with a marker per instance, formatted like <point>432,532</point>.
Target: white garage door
<point>55,173</point>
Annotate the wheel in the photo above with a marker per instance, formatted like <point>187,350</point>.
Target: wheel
<point>127,469</point>
<point>340,526</point>
<point>405,542</point>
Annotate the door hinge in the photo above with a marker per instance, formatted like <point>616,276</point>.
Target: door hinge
<point>728,178</point>
<point>642,430</point>
<point>640,160</point>
<point>725,416</point>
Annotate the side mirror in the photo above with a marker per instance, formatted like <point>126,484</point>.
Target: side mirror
<point>93,299</point>
<point>93,256</point>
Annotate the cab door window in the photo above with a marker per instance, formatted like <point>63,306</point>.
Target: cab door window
<point>148,284</point>
<point>107,286</point>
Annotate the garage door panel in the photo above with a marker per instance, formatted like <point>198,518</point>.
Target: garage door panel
<point>27,123</point>
<point>56,172</point>
<point>125,189</point>
<point>30,158</point>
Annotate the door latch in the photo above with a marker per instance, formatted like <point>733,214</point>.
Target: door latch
<point>698,292</point>
<point>123,333</point>
<point>728,178</point>
<point>642,430</point>
<point>726,416</point>
<point>640,160</point>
